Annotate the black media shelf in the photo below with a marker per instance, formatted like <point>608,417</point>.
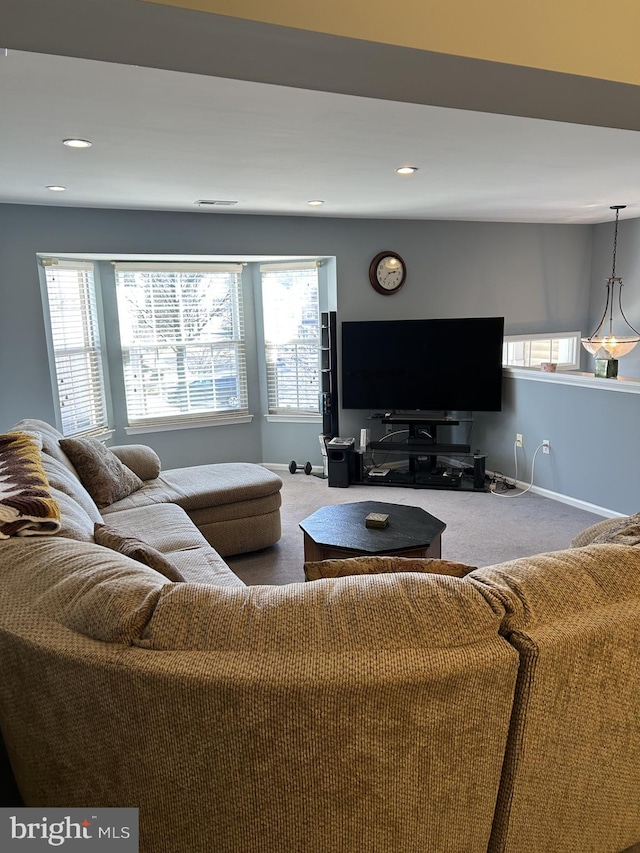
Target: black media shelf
<point>421,449</point>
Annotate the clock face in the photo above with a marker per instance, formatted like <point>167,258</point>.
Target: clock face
<point>387,272</point>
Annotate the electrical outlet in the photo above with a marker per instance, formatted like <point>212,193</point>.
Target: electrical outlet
<point>518,439</point>
<point>546,445</point>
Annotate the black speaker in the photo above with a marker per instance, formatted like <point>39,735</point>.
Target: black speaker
<point>478,470</point>
<point>340,464</point>
<point>329,373</point>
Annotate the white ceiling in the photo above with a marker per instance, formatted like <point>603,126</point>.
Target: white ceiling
<point>163,140</point>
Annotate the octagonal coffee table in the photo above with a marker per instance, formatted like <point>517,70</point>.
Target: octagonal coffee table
<point>339,531</point>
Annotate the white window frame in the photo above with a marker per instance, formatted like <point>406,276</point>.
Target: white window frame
<point>277,349</point>
<point>72,312</point>
<point>203,408</point>
<point>524,359</point>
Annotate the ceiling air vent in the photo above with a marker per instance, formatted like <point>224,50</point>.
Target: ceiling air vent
<point>214,202</point>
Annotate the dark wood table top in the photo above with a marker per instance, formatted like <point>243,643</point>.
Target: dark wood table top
<point>342,526</point>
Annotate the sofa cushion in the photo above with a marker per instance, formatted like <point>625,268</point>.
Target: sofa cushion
<point>50,439</point>
<point>102,474</point>
<point>314,570</point>
<point>168,528</point>
<point>137,550</point>
<point>549,589</point>
<point>225,485</point>
<point>88,589</point>
<point>387,611</point>
<point>235,505</point>
<point>74,521</point>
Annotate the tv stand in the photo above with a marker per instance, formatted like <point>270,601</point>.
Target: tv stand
<point>425,469</point>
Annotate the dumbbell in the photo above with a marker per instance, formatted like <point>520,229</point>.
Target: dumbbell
<point>307,467</point>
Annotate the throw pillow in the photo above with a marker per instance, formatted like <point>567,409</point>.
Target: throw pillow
<point>313,571</point>
<point>109,537</point>
<point>102,474</point>
<point>617,531</point>
<point>625,532</point>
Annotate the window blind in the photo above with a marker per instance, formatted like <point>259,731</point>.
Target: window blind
<point>563,348</point>
<point>183,344</point>
<point>75,338</point>
<point>291,316</point>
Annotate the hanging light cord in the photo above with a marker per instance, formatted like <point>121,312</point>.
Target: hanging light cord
<point>618,208</point>
<point>615,242</point>
<point>611,282</point>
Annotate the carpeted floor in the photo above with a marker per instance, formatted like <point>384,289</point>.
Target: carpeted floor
<point>482,529</point>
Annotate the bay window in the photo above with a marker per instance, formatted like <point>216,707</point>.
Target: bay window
<point>291,319</point>
<point>182,339</point>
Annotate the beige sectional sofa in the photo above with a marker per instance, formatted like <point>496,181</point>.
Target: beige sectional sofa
<point>392,713</point>
<point>234,506</point>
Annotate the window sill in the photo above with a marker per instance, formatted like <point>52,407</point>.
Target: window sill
<point>294,419</point>
<point>195,423</point>
<point>628,385</point>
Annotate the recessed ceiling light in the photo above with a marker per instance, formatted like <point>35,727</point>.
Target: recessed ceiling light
<point>406,170</point>
<point>77,143</point>
<point>56,189</point>
<point>315,202</point>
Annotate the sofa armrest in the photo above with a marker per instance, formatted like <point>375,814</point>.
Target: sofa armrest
<point>141,458</point>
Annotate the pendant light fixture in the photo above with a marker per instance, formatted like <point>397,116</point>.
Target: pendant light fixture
<point>608,343</point>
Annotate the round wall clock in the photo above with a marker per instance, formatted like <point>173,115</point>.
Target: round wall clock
<point>387,273</point>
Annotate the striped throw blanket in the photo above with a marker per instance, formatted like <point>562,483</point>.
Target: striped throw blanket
<point>26,505</point>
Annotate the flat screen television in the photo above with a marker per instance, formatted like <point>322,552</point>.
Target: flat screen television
<point>423,365</point>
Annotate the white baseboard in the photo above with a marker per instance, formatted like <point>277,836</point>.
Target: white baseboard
<point>575,502</point>
<point>566,499</point>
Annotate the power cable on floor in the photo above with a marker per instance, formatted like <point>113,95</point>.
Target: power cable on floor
<point>515,457</point>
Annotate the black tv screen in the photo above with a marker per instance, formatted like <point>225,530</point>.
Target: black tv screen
<point>423,365</point>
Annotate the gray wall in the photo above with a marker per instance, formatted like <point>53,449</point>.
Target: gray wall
<point>537,276</point>
<point>593,433</point>
<point>593,436</point>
